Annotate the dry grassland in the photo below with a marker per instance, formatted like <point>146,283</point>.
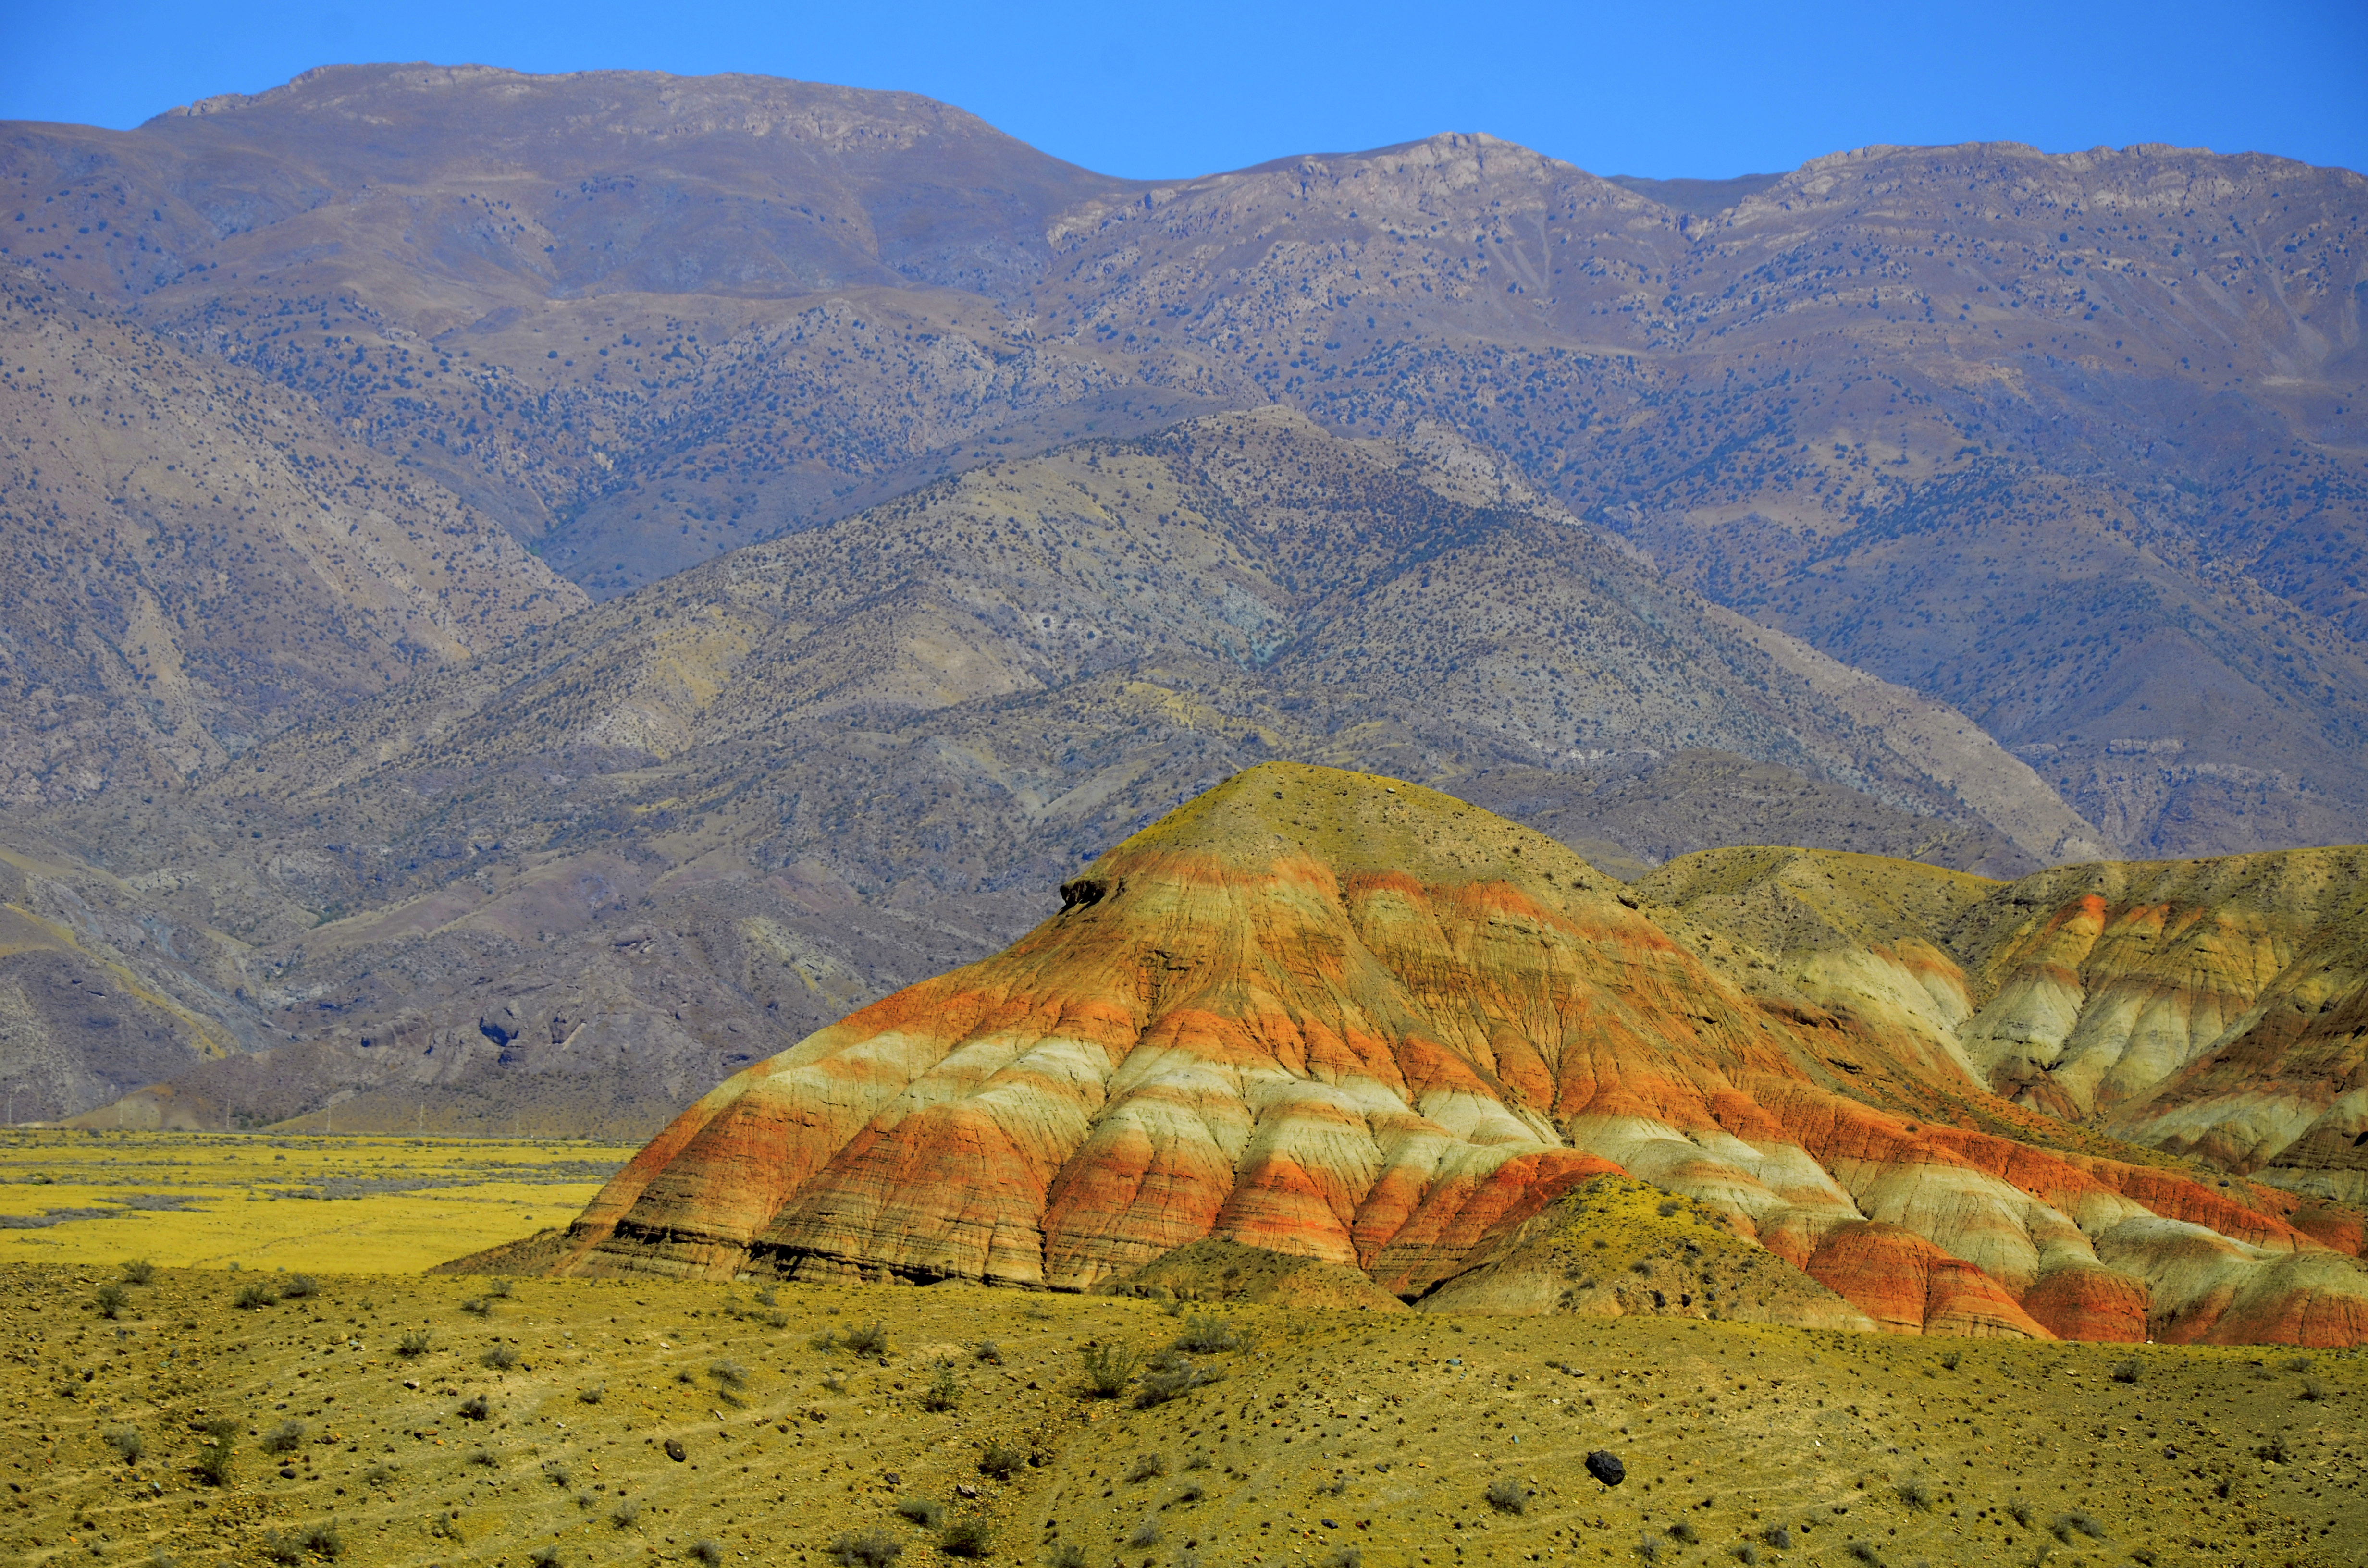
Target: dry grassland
<point>276,1201</point>
<point>403,1419</point>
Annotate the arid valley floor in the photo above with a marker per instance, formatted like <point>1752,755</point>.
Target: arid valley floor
<point>405,1418</point>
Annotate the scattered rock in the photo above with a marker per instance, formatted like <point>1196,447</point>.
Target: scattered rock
<point>677,1453</point>
<point>1605,1466</point>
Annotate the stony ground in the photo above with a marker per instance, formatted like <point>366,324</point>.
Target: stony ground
<point>407,1420</point>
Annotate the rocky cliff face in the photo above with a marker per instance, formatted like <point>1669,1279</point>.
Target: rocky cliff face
<point>1332,1015</point>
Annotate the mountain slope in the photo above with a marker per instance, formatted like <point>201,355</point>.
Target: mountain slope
<point>192,559</point>
<point>1331,1015</point>
<point>822,768</point>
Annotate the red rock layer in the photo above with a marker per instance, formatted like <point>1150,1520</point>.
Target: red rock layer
<point>1331,1015</point>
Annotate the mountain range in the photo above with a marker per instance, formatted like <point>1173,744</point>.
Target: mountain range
<point>532,596</point>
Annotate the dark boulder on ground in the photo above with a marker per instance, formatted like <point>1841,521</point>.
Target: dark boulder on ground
<point>1605,1466</point>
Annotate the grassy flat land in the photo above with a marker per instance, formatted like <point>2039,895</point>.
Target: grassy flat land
<point>272,1201</point>
<point>1339,1433</point>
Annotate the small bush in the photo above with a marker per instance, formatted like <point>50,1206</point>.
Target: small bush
<point>487,1458</point>
<point>729,1374</point>
<point>127,1443</point>
<point>1863,1551</point>
<point>1198,1461</point>
<point>474,1408</point>
<point>1109,1368</point>
<point>378,1474</point>
<point>139,1271</point>
<point>1346,1557</point>
<point>284,1438</point>
<point>834,1381</point>
<point>1508,1497</point>
<point>546,1557</point>
<point>627,1511</point>
<point>1145,1533</point>
<point>2274,1451</point>
<point>1171,1376</point>
<point>592,1395</point>
<point>300,1286</point>
<point>869,1340</point>
<point>966,1538</point>
<point>1205,1335</point>
<point>498,1288</point>
<point>257,1295</point>
<point>1669,1207</point>
<point>1950,1362</point>
<point>1684,1530</point>
<point>1147,1467</point>
<point>2021,1511</point>
<point>827,1340</point>
<point>1068,1554</point>
<point>943,1393</point>
<point>682,1375</point>
<point>2313,1388</point>
<point>1915,1493</point>
<point>1192,1493</point>
<point>766,1297</point>
<point>986,1350</point>
<point>1001,1460</point>
<point>705,1551</point>
<point>1777,1536</point>
<point>2077,1522</point>
<point>213,1460</point>
<point>1649,1548</point>
<point>864,1549</point>
<point>111,1300</point>
<point>925,1512</point>
<point>501,1357</point>
<point>1747,1554</point>
<point>2297,1363</point>
<point>557,1473</point>
<point>478,1306</point>
<point>414,1343</point>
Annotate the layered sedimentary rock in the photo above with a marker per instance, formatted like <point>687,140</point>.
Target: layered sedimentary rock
<point>1334,1016</point>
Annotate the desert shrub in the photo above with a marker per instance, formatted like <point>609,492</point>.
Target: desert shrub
<point>1337,1487</point>
<point>925,1512</point>
<point>300,1286</point>
<point>1649,1548</point>
<point>1950,1362</point>
<point>1068,1554</point>
<point>834,1381</point>
<point>379,1474</point>
<point>705,1551</point>
<point>1001,1460</point>
<point>864,1549</point>
<point>1145,1533</point>
<point>557,1473</point>
<point>414,1343</point>
<point>1147,1467</point>
<point>2297,1363</point>
<point>594,1394</point>
<point>682,1375</point>
<point>546,1557</point>
<point>1916,1492</point>
<point>498,1288</point>
<point>1747,1553</point>
<point>2126,1372</point>
<point>1777,1536</point>
<point>1171,1375</point>
<point>284,1438</point>
<point>2274,1451</point>
<point>1197,1462</point>
<point>1346,1557</point>
<point>322,1539</point>
<point>1192,1493</point>
<point>127,1443</point>
<point>943,1393</point>
<point>213,1460</point>
<point>111,1298</point>
<point>827,1340</point>
<point>1508,1497</point>
<point>869,1340</point>
<point>474,1408</point>
<point>2313,1388</point>
<point>777,1320</point>
<point>986,1350</point>
<point>627,1511</point>
<point>2021,1511</point>
<point>501,1357</point>
<point>966,1536</point>
<point>477,1305</point>
<point>139,1271</point>
<point>1863,1551</point>
<point>1205,1333</point>
<point>729,1374</point>
<point>1684,1530</point>
<point>487,1458</point>
<point>767,1297</point>
<point>2077,1522</point>
<point>251,1296</point>
<point>1109,1368</point>
<point>1669,1207</point>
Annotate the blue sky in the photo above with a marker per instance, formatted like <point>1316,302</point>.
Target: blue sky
<point>1162,90</point>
